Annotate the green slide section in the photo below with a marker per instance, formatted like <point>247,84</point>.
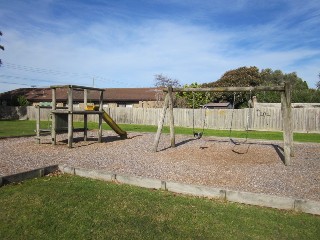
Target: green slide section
<point>114,125</point>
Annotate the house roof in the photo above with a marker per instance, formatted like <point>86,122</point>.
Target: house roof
<point>109,95</point>
<point>133,94</point>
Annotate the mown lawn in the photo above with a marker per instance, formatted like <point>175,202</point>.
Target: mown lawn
<point>71,207</point>
<point>23,128</point>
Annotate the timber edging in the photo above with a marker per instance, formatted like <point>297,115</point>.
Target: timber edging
<point>257,199</point>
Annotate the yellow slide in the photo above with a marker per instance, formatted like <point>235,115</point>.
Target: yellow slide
<point>114,125</point>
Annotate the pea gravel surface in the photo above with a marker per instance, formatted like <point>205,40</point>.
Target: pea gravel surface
<point>252,166</point>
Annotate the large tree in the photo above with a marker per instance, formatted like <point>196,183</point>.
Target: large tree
<point>251,76</point>
<point>300,90</point>
<point>240,77</point>
<point>318,83</point>
<point>1,47</point>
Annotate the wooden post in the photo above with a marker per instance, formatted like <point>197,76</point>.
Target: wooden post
<point>85,97</point>
<point>100,116</point>
<point>287,123</point>
<point>38,125</point>
<point>85,116</point>
<point>85,127</point>
<point>70,117</point>
<point>160,124</point>
<point>53,121</point>
<point>171,118</point>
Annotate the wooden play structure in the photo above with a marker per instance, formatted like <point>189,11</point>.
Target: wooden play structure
<point>285,90</point>
<point>62,117</point>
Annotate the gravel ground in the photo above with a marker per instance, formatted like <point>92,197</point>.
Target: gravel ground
<point>254,166</point>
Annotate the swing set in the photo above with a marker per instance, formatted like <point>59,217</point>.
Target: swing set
<point>285,89</point>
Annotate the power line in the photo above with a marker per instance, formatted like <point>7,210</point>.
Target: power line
<point>31,79</point>
<point>22,84</point>
<point>42,70</point>
<point>46,71</point>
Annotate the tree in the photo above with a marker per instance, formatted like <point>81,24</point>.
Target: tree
<point>240,77</point>
<point>195,99</point>
<point>251,76</point>
<point>270,77</point>
<point>164,81</point>
<point>1,47</point>
<point>300,90</point>
<point>22,101</point>
<point>318,83</point>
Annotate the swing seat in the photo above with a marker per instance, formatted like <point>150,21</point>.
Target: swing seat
<point>234,142</point>
<point>197,135</point>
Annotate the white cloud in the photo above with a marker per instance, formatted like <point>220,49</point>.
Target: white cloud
<point>129,54</point>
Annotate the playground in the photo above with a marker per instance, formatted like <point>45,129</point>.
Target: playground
<point>256,166</point>
<point>278,168</point>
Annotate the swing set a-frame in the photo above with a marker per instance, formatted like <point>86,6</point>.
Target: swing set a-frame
<point>285,89</point>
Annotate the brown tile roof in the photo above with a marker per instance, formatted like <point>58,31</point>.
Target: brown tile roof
<point>131,94</point>
<point>109,95</point>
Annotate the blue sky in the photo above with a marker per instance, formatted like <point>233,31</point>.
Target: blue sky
<point>125,43</point>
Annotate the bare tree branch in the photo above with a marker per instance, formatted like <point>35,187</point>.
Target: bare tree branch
<point>164,81</point>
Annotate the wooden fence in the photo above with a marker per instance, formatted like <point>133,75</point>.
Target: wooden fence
<point>304,119</point>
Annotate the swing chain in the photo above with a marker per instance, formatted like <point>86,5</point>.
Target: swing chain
<point>198,135</point>
<point>247,123</point>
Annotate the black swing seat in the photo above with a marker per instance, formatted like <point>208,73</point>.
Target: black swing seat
<point>197,135</point>
<point>234,142</point>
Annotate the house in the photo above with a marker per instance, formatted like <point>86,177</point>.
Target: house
<point>211,105</point>
<point>112,97</point>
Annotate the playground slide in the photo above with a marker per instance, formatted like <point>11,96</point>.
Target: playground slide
<point>113,125</point>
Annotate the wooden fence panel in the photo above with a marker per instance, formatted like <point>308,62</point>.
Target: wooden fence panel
<point>262,118</point>
<point>269,119</point>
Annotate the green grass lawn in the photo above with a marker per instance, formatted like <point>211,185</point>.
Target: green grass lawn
<point>71,207</point>
<point>23,128</point>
